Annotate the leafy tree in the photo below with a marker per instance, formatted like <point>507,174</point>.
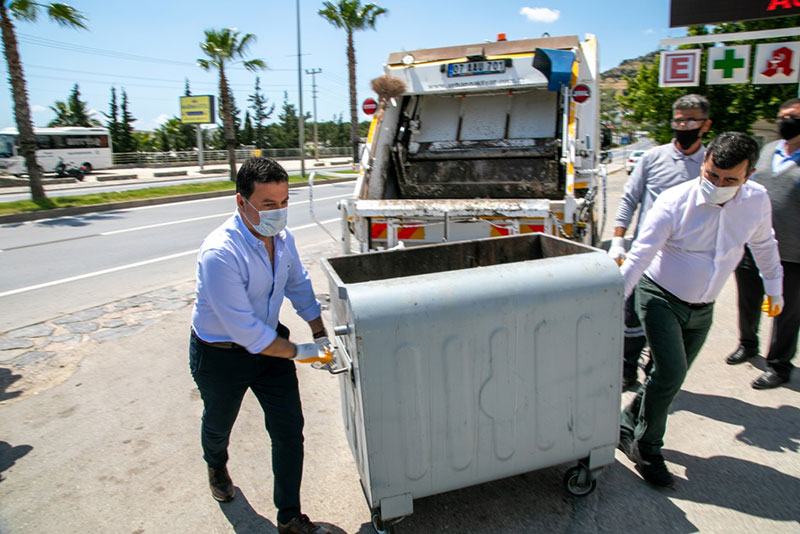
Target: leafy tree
<point>733,107</point>
<point>113,124</point>
<point>247,130</point>
<point>26,10</point>
<point>351,16</point>
<point>261,113</point>
<point>73,112</point>
<point>171,135</point>
<point>145,141</point>
<point>127,143</point>
<point>224,47</point>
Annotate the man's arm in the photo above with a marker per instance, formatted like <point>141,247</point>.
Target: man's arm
<point>631,197</point>
<point>654,233</point>
<point>765,251</point>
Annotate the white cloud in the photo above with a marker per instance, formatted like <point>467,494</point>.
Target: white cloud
<point>540,14</point>
<point>649,31</point>
<point>161,119</point>
<point>36,108</point>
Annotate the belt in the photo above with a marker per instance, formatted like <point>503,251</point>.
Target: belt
<point>226,345</point>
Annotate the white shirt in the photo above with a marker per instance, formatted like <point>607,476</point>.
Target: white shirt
<point>689,246</point>
<point>781,161</point>
<point>239,293</point>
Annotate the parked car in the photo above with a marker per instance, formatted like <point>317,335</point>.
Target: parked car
<point>632,160</point>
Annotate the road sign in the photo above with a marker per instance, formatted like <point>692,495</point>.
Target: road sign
<point>777,63</point>
<point>728,64</point>
<point>369,106</point>
<point>679,68</point>
<point>581,93</point>
<point>692,12</point>
<point>197,109</point>
<point>623,141</point>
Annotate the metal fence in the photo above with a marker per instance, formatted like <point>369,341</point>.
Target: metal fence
<point>212,157</point>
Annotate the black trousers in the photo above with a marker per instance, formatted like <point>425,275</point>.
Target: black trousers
<point>223,376</point>
<point>783,342</point>
<point>634,341</point>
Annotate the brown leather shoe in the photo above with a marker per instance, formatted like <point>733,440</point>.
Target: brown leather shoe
<point>301,525</point>
<point>221,485</point>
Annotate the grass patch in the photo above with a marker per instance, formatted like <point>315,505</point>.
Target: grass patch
<point>24,206</point>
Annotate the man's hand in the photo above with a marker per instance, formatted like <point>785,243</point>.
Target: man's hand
<point>323,343</point>
<point>312,353</point>
<point>617,250</point>
<point>773,306</point>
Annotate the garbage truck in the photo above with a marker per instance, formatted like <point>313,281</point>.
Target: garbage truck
<point>489,139</point>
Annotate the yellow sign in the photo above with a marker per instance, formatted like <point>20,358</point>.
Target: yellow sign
<point>197,109</point>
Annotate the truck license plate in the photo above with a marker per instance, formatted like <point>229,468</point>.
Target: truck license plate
<point>475,68</point>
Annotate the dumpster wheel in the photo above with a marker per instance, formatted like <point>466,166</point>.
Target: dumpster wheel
<point>578,481</point>
<point>384,527</point>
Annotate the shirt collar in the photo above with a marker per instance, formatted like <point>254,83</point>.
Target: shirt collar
<point>780,149</point>
<point>251,239</point>
<point>696,156</point>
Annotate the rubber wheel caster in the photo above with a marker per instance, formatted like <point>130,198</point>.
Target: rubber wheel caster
<point>384,527</point>
<point>576,481</point>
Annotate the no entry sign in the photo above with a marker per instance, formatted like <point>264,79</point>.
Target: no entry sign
<point>581,93</point>
<point>369,106</point>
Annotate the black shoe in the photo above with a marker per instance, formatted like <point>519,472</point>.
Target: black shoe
<point>626,445</point>
<point>653,469</point>
<point>770,379</point>
<point>741,355</point>
<point>301,525</point>
<point>221,485</point>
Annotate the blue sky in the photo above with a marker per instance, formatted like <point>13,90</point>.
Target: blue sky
<point>149,47</point>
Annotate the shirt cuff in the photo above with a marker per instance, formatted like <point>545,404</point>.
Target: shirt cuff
<point>311,312</point>
<point>773,287</point>
<point>263,341</point>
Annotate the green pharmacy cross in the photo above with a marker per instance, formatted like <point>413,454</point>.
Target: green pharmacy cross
<point>729,63</point>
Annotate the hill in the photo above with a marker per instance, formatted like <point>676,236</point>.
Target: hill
<point>614,78</point>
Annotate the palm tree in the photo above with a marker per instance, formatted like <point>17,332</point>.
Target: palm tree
<point>352,16</point>
<point>223,47</point>
<point>29,11</point>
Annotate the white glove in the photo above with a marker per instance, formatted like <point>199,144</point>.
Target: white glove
<point>617,250</point>
<point>311,353</point>
<point>323,343</point>
<point>773,305</point>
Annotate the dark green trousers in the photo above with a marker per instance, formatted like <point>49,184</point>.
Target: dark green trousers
<point>675,330</point>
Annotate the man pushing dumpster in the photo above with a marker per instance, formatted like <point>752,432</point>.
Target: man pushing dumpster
<point>245,268</point>
<point>691,241</point>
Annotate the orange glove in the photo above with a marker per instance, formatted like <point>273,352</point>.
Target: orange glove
<point>773,305</point>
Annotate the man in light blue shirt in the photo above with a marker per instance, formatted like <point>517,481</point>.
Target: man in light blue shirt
<point>245,268</point>
<point>659,169</point>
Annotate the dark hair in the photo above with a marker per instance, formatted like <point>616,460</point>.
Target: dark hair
<point>729,149</point>
<point>260,169</point>
<point>789,103</point>
<point>693,102</point>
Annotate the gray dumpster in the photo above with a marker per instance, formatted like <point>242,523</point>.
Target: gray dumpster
<point>474,361</point>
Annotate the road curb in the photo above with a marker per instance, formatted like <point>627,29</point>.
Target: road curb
<point>111,206</point>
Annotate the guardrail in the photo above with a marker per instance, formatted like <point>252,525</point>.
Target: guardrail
<point>213,157</point>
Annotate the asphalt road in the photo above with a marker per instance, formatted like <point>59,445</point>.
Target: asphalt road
<point>57,266</point>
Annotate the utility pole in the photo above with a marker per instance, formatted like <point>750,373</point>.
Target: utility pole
<point>313,73</point>
<point>300,90</point>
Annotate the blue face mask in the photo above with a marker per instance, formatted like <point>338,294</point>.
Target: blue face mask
<point>270,222</point>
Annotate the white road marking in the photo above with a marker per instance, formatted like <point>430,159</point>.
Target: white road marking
<point>125,267</point>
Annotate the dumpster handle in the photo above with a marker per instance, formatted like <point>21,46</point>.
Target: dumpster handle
<point>346,359</point>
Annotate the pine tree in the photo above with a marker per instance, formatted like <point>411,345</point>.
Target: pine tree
<point>126,139</point>
<point>247,130</point>
<point>113,124</point>
<point>188,131</point>
<point>73,112</point>
<point>261,113</point>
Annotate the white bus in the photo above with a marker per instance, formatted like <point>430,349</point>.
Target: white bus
<point>57,148</point>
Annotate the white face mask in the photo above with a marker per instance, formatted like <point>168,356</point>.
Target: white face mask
<point>716,195</point>
<point>270,222</point>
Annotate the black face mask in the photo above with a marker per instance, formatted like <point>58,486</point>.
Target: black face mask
<point>789,128</point>
<point>687,138</point>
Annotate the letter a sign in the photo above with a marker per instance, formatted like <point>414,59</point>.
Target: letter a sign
<point>679,68</point>
<point>777,63</point>
<point>728,64</point>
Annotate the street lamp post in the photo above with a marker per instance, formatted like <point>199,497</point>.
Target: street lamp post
<point>313,73</point>
<point>300,91</point>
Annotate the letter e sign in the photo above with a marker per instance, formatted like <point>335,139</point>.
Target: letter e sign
<point>679,68</point>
